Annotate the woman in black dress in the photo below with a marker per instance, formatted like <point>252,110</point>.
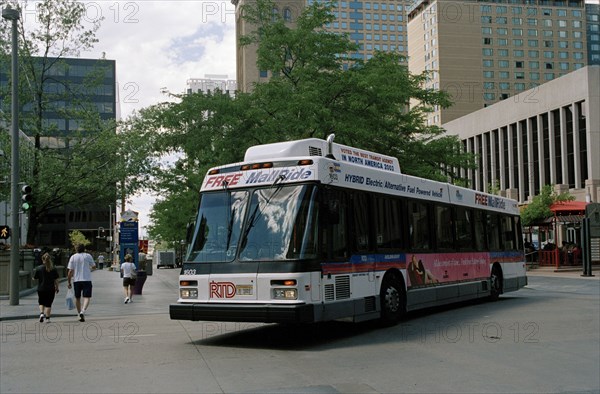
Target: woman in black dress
<point>47,277</point>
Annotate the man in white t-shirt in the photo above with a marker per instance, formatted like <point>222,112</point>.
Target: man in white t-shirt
<point>80,267</point>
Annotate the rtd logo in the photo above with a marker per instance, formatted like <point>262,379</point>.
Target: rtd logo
<point>222,290</point>
<point>220,180</point>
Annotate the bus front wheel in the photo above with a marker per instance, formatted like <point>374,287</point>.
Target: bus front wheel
<point>393,299</point>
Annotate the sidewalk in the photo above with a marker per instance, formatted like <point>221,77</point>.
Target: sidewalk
<point>158,292</point>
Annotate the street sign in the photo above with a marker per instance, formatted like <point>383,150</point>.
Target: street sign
<point>4,232</point>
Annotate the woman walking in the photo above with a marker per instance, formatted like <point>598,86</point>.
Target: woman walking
<point>47,277</point>
<point>129,271</point>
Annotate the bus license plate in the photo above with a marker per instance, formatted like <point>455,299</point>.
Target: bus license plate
<point>243,290</point>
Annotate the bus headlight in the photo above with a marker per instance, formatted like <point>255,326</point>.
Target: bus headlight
<point>285,294</point>
<point>188,293</point>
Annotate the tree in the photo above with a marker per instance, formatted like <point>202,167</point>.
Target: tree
<point>317,87</point>
<point>81,168</point>
<point>539,208</point>
<point>77,238</point>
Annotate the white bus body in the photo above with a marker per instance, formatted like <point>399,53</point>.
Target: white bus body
<point>311,230</point>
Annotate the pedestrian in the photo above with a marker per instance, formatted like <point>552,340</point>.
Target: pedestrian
<point>128,270</point>
<point>80,268</point>
<point>101,261</point>
<point>47,277</point>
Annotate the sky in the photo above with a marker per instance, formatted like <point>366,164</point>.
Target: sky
<point>158,46</point>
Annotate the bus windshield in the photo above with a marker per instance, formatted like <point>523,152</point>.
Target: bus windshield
<point>268,224</point>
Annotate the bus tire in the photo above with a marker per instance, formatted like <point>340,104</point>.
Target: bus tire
<point>495,282</point>
<point>393,299</point>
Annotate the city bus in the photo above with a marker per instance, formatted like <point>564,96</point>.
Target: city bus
<point>311,230</point>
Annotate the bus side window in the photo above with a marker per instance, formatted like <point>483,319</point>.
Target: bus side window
<point>418,221</point>
<point>480,237</point>
<point>464,229</point>
<point>361,214</point>
<point>508,233</point>
<point>493,231</point>
<point>335,235</point>
<point>444,227</point>
<point>388,223</point>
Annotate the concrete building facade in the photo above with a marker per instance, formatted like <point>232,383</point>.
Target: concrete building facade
<point>482,52</point>
<point>549,135</point>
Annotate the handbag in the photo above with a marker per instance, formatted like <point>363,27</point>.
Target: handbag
<point>70,299</point>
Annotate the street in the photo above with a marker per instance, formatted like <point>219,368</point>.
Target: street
<point>544,338</point>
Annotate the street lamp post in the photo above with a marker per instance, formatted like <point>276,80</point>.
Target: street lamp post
<point>13,15</point>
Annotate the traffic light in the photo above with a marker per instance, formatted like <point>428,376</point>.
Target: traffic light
<point>26,198</point>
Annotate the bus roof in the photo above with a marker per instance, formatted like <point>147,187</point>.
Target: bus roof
<point>318,147</point>
<point>334,164</point>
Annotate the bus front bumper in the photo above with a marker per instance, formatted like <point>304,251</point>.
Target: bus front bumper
<point>265,313</point>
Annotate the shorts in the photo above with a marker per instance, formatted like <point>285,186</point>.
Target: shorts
<point>46,298</point>
<point>128,282</point>
<point>83,287</point>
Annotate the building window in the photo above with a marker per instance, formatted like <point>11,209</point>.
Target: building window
<point>503,52</point>
<point>488,74</point>
<point>519,86</point>
<point>501,31</point>
<point>519,64</point>
<point>504,74</point>
<point>517,42</point>
<point>488,85</point>
<point>519,75</point>
<point>532,43</point>
<point>532,33</point>
<point>501,20</point>
<point>518,53</point>
<point>486,30</point>
<point>503,63</point>
<point>517,10</point>
<point>532,22</point>
<point>517,21</point>
<point>487,41</point>
<point>548,44</point>
<point>534,54</point>
<point>488,63</point>
<point>517,32</point>
<point>486,19</point>
<point>502,42</point>
<point>488,52</point>
<point>548,55</point>
<point>489,96</point>
<point>534,76</point>
<point>549,76</point>
<point>563,55</point>
<point>549,65</point>
<point>534,65</point>
<point>563,66</point>
<point>504,85</point>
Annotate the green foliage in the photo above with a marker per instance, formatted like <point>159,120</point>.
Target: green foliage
<point>317,87</point>
<point>82,168</point>
<point>539,208</point>
<point>77,238</point>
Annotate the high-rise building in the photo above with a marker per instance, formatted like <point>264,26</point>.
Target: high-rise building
<point>592,15</point>
<point>75,85</point>
<point>210,83</point>
<point>484,52</point>
<point>373,25</point>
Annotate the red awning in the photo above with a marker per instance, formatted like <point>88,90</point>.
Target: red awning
<point>577,207</point>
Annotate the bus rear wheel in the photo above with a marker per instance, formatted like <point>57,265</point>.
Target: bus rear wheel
<point>393,299</point>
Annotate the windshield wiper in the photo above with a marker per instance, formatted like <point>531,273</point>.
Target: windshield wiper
<point>254,217</point>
